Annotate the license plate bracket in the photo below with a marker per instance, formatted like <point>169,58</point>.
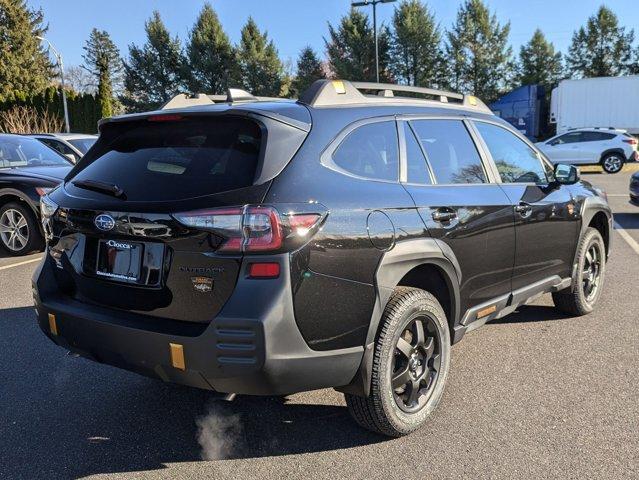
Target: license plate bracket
<point>119,260</point>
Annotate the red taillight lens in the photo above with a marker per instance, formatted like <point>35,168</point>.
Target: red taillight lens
<point>245,229</point>
<point>264,270</point>
<point>631,141</point>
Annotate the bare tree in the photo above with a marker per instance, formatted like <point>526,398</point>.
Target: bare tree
<point>23,119</point>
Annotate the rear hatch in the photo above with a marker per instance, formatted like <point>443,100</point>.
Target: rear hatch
<point>147,222</point>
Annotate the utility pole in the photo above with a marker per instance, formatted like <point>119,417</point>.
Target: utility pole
<point>365,3</point>
<point>64,95</point>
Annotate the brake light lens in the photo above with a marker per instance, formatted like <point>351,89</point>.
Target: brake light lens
<point>631,141</point>
<point>164,118</point>
<point>256,228</point>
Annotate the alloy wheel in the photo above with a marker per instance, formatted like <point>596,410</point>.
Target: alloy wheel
<point>416,364</point>
<point>591,273</point>
<point>613,164</point>
<point>14,230</point>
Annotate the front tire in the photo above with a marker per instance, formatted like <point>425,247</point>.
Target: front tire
<point>410,365</point>
<point>612,163</point>
<point>19,231</point>
<point>587,282</point>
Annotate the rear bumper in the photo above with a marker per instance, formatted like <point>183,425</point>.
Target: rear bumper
<point>252,347</point>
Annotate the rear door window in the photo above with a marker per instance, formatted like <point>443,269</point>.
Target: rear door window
<point>417,168</point>
<point>163,161</point>
<point>451,152</point>
<point>370,151</point>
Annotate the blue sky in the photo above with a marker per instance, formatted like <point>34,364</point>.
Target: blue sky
<point>293,24</point>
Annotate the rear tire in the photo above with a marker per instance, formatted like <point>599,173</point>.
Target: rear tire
<point>413,345</point>
<point>19,230</point>
<point>612,163</point>
<point>587,283</point>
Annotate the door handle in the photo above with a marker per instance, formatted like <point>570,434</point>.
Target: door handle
<point>523,209</point>
<point>444,215</point>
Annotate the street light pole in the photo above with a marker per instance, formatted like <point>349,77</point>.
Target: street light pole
<point>365,3</point>
<point>64,95</point>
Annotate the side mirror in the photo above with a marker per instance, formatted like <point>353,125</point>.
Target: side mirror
<point>566,174</point>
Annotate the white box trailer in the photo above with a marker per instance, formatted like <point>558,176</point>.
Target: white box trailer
<point>596,102</point>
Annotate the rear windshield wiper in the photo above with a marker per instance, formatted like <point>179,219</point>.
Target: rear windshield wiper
<point>101,187</point>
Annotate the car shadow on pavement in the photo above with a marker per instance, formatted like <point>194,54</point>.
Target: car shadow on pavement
<point>532,313</point>
<point>65,417</point>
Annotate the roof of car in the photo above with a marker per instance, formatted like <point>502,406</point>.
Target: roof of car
<point>597,129</point>
<point>322,95</point>
<point>64,136</point>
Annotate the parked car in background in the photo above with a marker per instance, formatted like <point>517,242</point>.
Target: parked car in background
<point>608,147</point>
<point>28,170</point>
<point>634,189</point>
<point>71,145</point>
<point>345,240</point>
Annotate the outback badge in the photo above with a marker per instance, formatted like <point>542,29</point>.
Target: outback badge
<point>202,284</point>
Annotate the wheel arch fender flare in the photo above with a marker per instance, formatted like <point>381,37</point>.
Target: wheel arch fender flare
<point>12,192</point>
<point>392,268</point>
<point>613,150</point>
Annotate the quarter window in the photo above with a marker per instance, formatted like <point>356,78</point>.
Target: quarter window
<point>515,161</point>
<point>451,152</point>
<point>370,151</point>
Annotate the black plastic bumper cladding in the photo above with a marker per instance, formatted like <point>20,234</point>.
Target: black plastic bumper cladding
<point>252,347</point>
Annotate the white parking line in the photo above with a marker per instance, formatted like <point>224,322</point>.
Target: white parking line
<point>19,264</point>
<point>626,236</point>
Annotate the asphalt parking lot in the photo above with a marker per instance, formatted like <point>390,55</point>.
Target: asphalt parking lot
<point>534,395</point>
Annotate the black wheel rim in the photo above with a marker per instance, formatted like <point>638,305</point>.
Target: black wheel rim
<point>416,364</point>
<point>591,272</point>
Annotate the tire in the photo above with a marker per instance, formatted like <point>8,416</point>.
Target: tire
<point>612,162</point>
<point>19,229</point>
<point>579,299</point>
<point>381,412</point>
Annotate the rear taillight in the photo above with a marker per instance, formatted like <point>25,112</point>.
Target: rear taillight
<point>631,141</point>
<point>258,228</point>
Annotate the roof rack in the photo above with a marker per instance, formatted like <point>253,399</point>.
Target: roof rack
<point>233,95</point>
<point>324,93</point>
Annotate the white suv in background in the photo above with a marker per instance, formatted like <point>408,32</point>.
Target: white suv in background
<point>607,147</point>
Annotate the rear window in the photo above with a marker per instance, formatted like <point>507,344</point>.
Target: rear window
<point>163,161</point>
<point>82,144</point>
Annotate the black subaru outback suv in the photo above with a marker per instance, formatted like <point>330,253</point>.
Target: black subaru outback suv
<point>343,240</point>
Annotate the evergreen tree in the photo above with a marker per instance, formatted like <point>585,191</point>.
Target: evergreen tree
<point>602,48</point>
<point>309,69</point>
<point>416,54</point>
<point>102,60</point>
<point>152,72</point>
<point>24,65</point>
<point>210,58</point>
<point>480,61</point>
<point>351,49</point>
<point>261,70</point>
<point>539,63</point>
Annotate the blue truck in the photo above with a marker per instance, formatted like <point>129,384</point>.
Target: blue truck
<point>526,109</point>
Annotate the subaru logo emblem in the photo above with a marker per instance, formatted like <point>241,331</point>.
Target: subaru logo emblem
<point>104,222</point>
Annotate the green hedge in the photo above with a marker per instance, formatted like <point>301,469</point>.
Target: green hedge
<point>84,111</point>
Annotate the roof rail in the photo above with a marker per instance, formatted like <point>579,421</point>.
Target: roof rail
<point>233,95</point>
<point>325,93</point>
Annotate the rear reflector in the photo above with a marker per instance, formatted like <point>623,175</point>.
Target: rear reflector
<point>53,325</point>
<point>264,270</point>
<point>177,356</point>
